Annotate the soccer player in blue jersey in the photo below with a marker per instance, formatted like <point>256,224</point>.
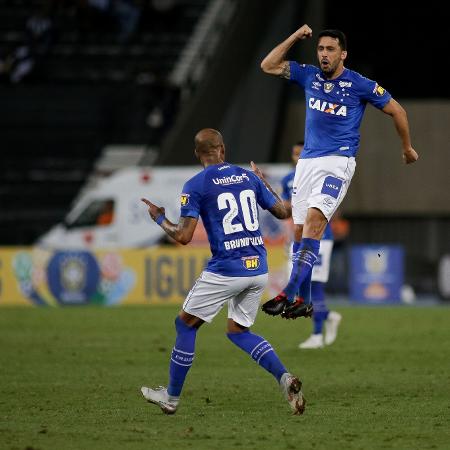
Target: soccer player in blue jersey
<point>226,197</point>
<point>322,316</point>
<point>336,98</point>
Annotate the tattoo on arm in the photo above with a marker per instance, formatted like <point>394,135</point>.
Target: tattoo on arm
<point>170,228</point>
<point>280,211</point>
<point>182,231</point>
<point>286,71</point>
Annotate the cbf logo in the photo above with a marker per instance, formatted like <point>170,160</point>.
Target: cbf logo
<point>184,200</point>
<point>73,274</point>
<point>251,262</point>
<point>73,277</point>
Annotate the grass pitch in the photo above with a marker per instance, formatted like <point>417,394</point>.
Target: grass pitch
<point>70,379</point>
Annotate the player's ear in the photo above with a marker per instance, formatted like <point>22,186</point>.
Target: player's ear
<point>344,55</point>
<point>196,153</point>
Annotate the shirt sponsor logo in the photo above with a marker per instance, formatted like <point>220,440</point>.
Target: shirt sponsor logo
<point>316,85</point>
<point>378,90</point>
<point>344,84</point>
<point>332,186</point>
<point>326,107</point>
<point>243,242</point>
<point>184,199</point>
<point>233,179</point>
<point>328,87</point>
<point>250,262</point>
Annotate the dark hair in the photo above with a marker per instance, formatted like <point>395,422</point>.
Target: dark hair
<point>337,34</point>
<point>299,143</point>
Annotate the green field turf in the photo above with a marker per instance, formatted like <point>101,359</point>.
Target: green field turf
<point>70,379</point>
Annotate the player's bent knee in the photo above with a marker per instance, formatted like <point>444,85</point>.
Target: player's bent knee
<point>234,327</point>
<point>185,319</point>
<point>316,215</point>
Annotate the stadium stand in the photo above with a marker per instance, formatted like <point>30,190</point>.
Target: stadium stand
<point>76,97</point>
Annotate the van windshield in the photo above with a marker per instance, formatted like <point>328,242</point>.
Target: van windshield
<point>97,213</point>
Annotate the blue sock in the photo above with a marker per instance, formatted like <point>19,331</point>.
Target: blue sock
<point>260,350</point>
<point>182,356</point>
<point>303,262</point>
<point>305,289</point>
<point>320,308</point>
<point>295,248</point>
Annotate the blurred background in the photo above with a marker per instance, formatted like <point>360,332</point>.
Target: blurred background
<point>90,87</point>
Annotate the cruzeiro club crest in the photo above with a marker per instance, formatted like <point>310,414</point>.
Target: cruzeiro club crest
<point>328,87</point>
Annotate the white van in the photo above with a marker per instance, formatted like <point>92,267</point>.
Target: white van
<point>110,214</point>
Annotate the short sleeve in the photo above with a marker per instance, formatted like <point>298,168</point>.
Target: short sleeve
<point>373,93</point>
<point>300,72</point>
<point>190,199</point>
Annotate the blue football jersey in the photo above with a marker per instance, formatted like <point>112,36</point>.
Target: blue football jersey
<point>226,197</point>
<point>286,185</point>
<point>286,194</point>
<point>334,109</point>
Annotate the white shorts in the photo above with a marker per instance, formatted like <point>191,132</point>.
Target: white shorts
<point>211,291</point>
<point>321,268</point>
<point>320,183</point>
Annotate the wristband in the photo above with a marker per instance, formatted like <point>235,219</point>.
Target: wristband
<point>160,219</point>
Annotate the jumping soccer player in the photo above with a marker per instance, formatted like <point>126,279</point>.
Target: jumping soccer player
<point>225,196</point>
<point>336,98</point>
<point>321,315</point>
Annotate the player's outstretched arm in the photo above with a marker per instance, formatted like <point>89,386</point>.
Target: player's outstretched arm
<point>275,62</point>
<point>398,114</point>
<point>279,209</point>
<point>181,232</point>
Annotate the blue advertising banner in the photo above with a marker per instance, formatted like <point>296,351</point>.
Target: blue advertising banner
<point>376,273</point>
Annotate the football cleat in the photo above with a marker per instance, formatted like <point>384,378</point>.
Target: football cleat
<point>314,341</point>
<point>331,326</point>
<point>291,387</point>
<point>160,397</point>
<point>276,306</point>
<point>298,308</point>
